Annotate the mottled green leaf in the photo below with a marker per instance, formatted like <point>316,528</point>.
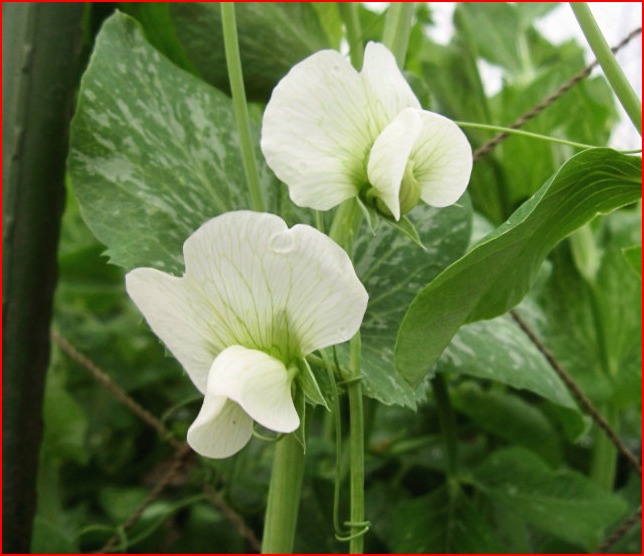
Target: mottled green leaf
<point>499,350</point>
<point>563,503</point>
<point>273,37</point>
<point>497,272</point>
<point>393,269</point>
<point>154,152</point>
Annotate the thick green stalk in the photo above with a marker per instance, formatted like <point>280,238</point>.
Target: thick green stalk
<point>397,29</point>
<point>356,442</point>
<point>349,13</point>
<point>233,61</point>
<point>283,497</point>
<point>41,66</point>
<point>448,423</point>
<point>612,70</point>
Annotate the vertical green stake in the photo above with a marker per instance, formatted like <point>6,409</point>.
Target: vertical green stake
<point>41,67</point>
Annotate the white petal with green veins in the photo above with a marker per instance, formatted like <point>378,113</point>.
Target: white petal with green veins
<point>442,160</point>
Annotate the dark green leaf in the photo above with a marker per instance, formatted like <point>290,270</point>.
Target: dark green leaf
<point>438,524</point>
<point>495,274</point>
<point>273,37</point>
<point>563,503</point>
<point>153,154</point>
<point>509,417</point>
<point>155,19</point>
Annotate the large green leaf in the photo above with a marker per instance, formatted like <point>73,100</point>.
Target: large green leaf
<point>393,268</point>
<point>273,37</point>
<point>496,273</point>
<point>154,151</point>
<point>563,503</point>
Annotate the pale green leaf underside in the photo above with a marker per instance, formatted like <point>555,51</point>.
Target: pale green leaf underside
<point>393,269</point>
<point>154,151</point>
<point>495,274</point>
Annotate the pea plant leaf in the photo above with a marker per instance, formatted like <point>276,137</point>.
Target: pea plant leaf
<point>563,503</point>
<point>439,524</point>
<point>498,350</point>
<point>154,152</point>
<point>393,268</point>
<point>497,272</point>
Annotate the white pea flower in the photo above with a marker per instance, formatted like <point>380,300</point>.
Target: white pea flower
<point>331,133</point>
<point>255,297</point>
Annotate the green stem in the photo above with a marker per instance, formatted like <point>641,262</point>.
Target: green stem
<point>283,497</point>
<point>233,61</point>
<point>604,462</point>
<point>604,456</point>
<point>356,424</point>
<point>512,131</point>
<point>397,29</point>
<point>448,423</point>
<point>612,70</point>
<point>349,13</point>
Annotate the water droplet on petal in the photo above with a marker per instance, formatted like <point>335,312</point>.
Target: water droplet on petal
<point>281,243</point>
<point>335,68</point>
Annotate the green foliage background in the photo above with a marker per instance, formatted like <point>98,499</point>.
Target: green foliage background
<point>153,155</point>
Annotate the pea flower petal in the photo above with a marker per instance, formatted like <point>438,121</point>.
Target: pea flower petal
<point>221,429</point>
<point>259,383</point>
<point>255,297</point>
<point>330,133</point>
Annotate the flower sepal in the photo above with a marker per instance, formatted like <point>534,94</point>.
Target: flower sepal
<point>306,380</point>
<point>407,228</point>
